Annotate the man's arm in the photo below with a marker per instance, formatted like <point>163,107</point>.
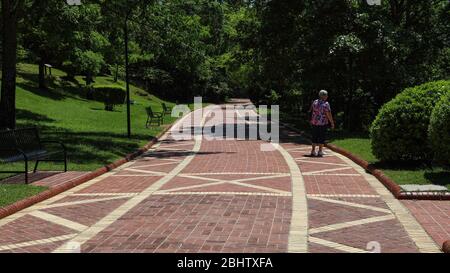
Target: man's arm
<point>330,118</point>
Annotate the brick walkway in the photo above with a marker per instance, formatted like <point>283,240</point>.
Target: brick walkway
<point>201,195</point>
<point>434,216</point>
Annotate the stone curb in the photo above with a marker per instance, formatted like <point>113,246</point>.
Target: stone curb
<point>446,247</point>
<point>53,191</point>
<point>393,187</point>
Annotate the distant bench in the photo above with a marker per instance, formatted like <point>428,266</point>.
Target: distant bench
<point>25,145</point>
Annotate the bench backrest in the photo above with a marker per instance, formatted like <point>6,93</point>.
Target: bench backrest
<point>149,111</point>
<point>7,140</point>
<point>27,139</point>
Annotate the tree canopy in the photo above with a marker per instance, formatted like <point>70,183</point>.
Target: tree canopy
<point>273,51</point>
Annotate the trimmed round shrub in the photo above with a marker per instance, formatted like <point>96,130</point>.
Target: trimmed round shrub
<point>439,131</point>
<point>110,95</point>
<point>400,130</point>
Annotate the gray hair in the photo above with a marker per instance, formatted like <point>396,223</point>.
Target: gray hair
<point>323,93</point>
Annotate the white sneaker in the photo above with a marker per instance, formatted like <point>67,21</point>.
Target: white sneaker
<point>320,154</point>
<point>313,154</point>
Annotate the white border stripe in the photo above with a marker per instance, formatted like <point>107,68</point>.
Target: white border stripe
<point>298,233</point>
<point>415,231</point>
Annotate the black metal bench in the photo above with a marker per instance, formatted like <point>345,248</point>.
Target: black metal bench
<point>153,117</point>
<point>25,145</point>
<point>166,110</point>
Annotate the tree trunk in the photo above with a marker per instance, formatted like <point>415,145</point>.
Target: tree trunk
<point>89,79</point>
<point>116,74</point>
<point>9,41</point>
<point>42,84</point>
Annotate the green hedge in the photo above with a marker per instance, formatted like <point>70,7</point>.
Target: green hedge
<point>110,95</point>
<point>400,130</point>
<point>439,130</point>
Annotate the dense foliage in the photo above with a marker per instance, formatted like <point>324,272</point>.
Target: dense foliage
<point>279,51</point>
<point>400,130</point>
<point>110,95</point>
<point>439,131</point>
<point>364,55</point>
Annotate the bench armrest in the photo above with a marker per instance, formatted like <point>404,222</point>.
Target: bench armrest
<point>16,150</point>
<point>54,142</point>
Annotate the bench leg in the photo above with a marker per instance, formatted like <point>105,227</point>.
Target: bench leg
<point>146,123</point>
<point>65,162</point>
<point>36,166</point>
<point>26,171</point>
<point>153,119</point>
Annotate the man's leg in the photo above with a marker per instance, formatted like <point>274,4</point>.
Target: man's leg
<point>322,132</point>
<point>314,134</point>
<point>313,150</point>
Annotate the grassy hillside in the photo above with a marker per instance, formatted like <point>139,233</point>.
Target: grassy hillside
<point>94,137</point>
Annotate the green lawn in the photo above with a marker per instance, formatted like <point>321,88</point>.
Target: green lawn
<point>11,193</point>
<point>407,173</point>
<point>93,136</point>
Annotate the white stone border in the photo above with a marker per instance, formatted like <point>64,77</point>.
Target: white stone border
<point>415,231</point>
<point>298,233</point>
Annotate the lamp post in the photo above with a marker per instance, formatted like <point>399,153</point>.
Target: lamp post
<point>127,79</point>
<point>127,76</point>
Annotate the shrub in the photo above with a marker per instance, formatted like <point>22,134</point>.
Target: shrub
<point>88,63</point>
<point>110,95</point>
<point>399,132</point>
<point>439,130</point>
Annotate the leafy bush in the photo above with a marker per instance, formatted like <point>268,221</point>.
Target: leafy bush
<point>110,95</point>
<point>439,131</point>
<point>88,63</point>
<point>399,131</point>
<point>273,97</point>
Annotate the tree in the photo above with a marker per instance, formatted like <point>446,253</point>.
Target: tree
<point>363,54</point>
<point>11,10</point>
<point>47,32</point>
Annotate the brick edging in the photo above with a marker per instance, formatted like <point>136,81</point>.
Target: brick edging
<point>53,191</point>
<point>393,187</point>
<point>446,247</point>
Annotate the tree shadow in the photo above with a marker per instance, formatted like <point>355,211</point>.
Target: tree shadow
<point>103,109</point>
<point>84,148</point>
<point>47,93</point>
<point>56,91</point>
<point>31,118</point>
<point>97,148</point>
<point>72,90</point>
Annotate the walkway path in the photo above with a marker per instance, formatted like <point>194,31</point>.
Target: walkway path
<point>231,195</point>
